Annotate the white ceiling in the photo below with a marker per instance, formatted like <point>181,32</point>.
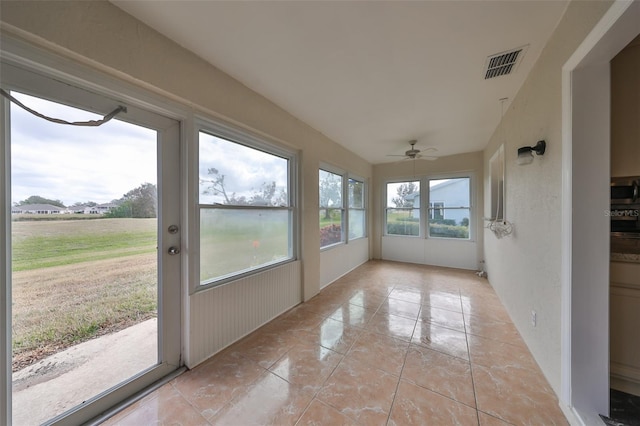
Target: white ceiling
<point>370,75</point>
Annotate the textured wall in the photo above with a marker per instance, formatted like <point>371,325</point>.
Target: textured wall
<point>525,268</point>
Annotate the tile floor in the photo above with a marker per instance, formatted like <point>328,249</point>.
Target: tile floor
<point>387,344</point>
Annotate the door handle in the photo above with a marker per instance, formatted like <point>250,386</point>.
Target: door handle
<point>174,250</point>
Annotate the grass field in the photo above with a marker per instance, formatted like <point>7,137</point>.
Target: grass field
<point>43,244</point>
<point>75,279</point>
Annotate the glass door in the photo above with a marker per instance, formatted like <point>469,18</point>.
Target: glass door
<point>95,250</point>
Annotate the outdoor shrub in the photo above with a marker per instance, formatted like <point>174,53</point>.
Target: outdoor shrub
<point>408,219</point>
<point>330,234</point>
<point>448,231</point>
<point>403,228</point>
<point>451,222</point>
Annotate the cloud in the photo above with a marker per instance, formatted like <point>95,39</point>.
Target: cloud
<point>76,164</point>
<point>245,169</point>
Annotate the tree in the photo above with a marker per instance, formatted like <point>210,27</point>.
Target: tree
<point>216,184</point>
<point>356,193</point>
<point>36,199</point>
<point>401,201</point>
<point>267,195</point>
<point>88,204</point>
<point>330,192</point>
<point>139,202</point>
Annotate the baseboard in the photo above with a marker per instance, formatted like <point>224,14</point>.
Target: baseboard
<point>625,384</point>
<point>572,415</point>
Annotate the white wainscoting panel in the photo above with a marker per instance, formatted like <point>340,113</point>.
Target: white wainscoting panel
<point>222,315</point>
<point>342,259</point>
<point>431,251</point>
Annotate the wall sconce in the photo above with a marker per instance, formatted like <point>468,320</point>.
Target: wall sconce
<point>525,154</point>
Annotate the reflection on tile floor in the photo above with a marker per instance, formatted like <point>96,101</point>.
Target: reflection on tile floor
<point>389,343</point>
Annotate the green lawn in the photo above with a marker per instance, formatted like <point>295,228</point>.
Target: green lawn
<point>74,279</point>
<point>45,244</point>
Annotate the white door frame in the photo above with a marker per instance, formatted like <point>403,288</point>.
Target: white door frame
<point>5,274</point>
<point>585,227</point>
<point>153,110</point>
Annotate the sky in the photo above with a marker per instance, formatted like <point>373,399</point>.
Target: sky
<point>77,164</point>
<point>245,169</point>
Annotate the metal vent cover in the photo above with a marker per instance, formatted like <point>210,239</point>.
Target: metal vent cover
<point>503,63</point>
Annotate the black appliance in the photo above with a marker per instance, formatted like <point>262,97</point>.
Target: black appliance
<point>625,190</point>
<point>625,214</point>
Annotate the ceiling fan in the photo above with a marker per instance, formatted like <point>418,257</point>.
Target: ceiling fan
<point>414,153</point>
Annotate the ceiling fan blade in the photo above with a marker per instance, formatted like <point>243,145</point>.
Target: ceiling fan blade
<point>426,157</point>
<point>401,160</point>
<point>414,153</point>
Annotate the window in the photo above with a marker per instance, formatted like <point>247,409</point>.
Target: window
<point>449,218</point>
<point>246,212</point>
<point>436,210</point>
<point>402,213</point>
<point>331,208</point>
<point>496,190</point>
<point>357,210</point>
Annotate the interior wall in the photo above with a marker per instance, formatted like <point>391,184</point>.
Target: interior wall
<point>525,267</point>
<point>428,251</point>
<point>102,36</point>
<point>339,260</point>
<point>625,111</point>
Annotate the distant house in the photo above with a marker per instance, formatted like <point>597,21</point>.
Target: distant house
<point>449,193</point>
<point>97,209</point>
<point>75,209</point>
<point>50,209</point>
<point>105,208</point>
<point>36,209</point>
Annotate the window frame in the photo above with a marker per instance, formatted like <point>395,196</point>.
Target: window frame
<point>247,139</point>
<point>363,209</point>
<point>425,206</point>
<point>343,209</point>
<point>497,186</point>
<point>444,209</point>
<point>419,208</point>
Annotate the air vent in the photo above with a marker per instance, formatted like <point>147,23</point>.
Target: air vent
<point>503,63</point>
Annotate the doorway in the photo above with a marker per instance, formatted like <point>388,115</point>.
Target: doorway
<point>94,277</point>
<point>586,228</point>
